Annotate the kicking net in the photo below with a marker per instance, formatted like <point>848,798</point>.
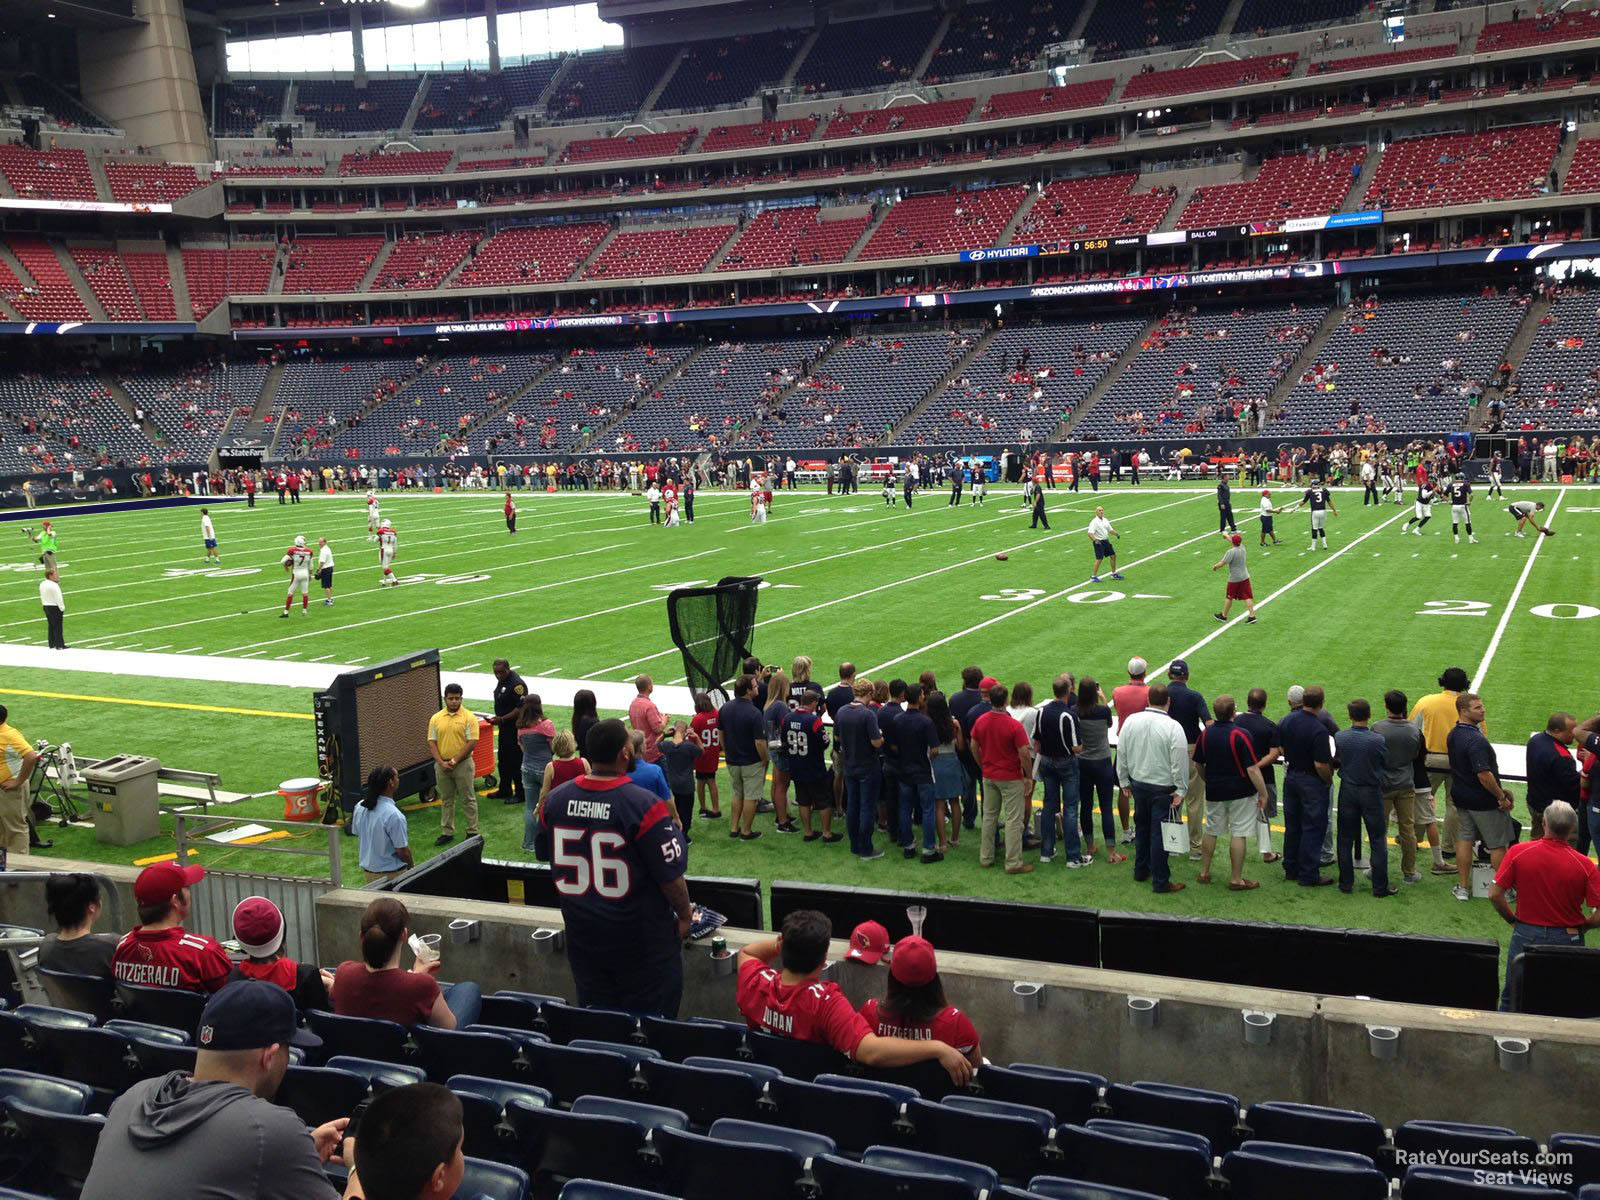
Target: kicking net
<point>712,628</point>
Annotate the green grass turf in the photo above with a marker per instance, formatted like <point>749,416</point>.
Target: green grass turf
<point>580,592</point>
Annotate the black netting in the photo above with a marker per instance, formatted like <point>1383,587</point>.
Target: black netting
<point>713,627</point>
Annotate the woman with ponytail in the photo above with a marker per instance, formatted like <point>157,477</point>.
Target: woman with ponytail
<point>385,842</point>
<point>377,986</point>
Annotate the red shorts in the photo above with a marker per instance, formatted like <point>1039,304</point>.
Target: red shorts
<point>1240,591</point>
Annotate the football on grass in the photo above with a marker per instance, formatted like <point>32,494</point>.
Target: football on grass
<point>1001,557</point>
<point>1549,533</point>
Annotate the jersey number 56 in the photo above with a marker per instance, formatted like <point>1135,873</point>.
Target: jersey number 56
<point>593,868</point>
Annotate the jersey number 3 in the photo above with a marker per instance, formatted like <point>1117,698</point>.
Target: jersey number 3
<point>593,868</point>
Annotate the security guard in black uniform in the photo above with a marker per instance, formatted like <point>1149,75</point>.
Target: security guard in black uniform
<point>509,693</point>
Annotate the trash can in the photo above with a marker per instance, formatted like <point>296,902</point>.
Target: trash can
<point>124,798</point>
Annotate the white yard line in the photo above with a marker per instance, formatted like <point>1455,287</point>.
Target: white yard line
<point>1516,594</point>
<point>1260,604</point>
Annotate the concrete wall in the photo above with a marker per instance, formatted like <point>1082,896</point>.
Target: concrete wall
<point>1446,1067</point>
<point>144,80</point>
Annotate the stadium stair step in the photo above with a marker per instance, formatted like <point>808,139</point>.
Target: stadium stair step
<point>498,409</point>
<point>1309,353</point>
<point>280,267</point>
<point>1230,18</point>
<point>799,57</point>
<point>377,265</point>
<point>1568,147</point>
<point>654,93</point>
<point>933,45</point>
<point>180,281</point>
<point>23,278</point>
<point>1515,352</point>
<point>542,101</point>
<point>97,172</point>
<point>1106,380</point>
<point>944,381</point>
<point>125,402</point>
<point>1369,168</point>
<point>866,234</point>
<point>1008,234</point>
<point>817,363</point>
<point>688,361</point>
<point>1081,21</point>
<point>416,105</point>
<point>722,251</point>
<point>599,249</point>
<point>79,283</point>
<point>290,94</point>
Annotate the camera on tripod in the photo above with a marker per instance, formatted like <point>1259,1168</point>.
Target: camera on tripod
<point>57,774</point>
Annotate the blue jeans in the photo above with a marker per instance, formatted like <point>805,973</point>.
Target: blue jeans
<point>1150,804</point>
<point>1357,807</point>
<point>1060,779</point>
<point>861,809</point>
<point>1305,818</point>
<point>465,1000</point>
<point>1523,936</point>
<point>920,793</point>
<point>1097,775</point>
<point>653,987</point>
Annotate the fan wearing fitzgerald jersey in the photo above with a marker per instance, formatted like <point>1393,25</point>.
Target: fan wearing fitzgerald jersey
<point>1461,509</point>
<point>1321,501</point>
<point>618,858</point>
<point>805,737</point>
<point>781,993</point>
<point>1422,512</point>
<point>386,545</point>
<point>297,562</point>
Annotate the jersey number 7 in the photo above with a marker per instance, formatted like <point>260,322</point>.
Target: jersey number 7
<point>593,869</point>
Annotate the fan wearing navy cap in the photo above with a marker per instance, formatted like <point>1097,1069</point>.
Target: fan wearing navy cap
<point>913,1005</point>
<point>216,1132</point>
<point>791,1000</point>
<point>159,951</point>
<point>618,858</point>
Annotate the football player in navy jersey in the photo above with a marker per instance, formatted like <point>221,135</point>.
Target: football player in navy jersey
<point>805,737</point>
<point>1461,509</point>
<point>1321,501</point>
<point>1422,509</point>
<point>618,859</point>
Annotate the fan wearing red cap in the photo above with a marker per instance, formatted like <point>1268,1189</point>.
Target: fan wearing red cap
<point>914,1006</point>
<point>790,1000</point>
<point>258,928</point>
<point>1238,579</point>
<point>159,951</point>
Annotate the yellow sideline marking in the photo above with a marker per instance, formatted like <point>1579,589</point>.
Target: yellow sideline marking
<point>159,858</point>
<point>271,835</point>
<point>212,708</point>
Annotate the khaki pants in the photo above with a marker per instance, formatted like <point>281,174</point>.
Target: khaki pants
<point>14,818</point>
<point>1194,804</point>
<point>1002,800</point>
<point>1439,777</point>
<point>1401,802</point>
<point>374,876</point>
<point>457,783</point>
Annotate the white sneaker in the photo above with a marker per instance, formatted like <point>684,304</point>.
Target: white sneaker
<point>1472,540</point>
<point>1460,893</point>
<point>1457,538</point>
<point>1521,535</point>
<point>1128,835</point>
<point>1083,860</point>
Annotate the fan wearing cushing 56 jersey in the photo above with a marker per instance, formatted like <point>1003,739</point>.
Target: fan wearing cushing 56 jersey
<point>618,860</point>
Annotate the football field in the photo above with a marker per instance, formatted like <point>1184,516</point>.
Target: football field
<point>579,595</point>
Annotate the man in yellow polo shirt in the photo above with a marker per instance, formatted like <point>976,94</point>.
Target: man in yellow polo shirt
<point>452,735</point>
<point>17,760</point>
<point>1435,715</point>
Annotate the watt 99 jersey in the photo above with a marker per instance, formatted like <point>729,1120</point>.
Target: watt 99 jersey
<point>611,845</point>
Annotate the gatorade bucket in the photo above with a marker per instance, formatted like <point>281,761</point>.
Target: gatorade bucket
<point>483,752</point>
<point>549,487</point>
<point>300,799</point>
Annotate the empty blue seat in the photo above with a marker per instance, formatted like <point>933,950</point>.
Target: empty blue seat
<point>150,1033</point>
<point>1271,1170</point>
<point>514,1010</point>
<point>158,1058</point>
<point>973,1175</point>
<point>679,1040</point>
<point>594,1189</point>
<point>1141,1157</point>
<point>61,1145</point>
<point>1056,1188</point>
<point>521,1037</point>
<point>928,1079</point>
<point>359,1037</point>
<point>321,1094</point>
<point>762,1073</point>
<point>556,1145</point>
<point>697,1167</point>
<point>568,1021</point>
<point>485,1180</point>
<point>1011,1144</point>
<point>97,1057</point>
<point>45,1092</point>
<point>1451,1137</point>
<point>175,1007</point>
<point>898,1092</point>
<point>447,1052</point>
<point>1582,1155</point>
<point>755,1133</point>
<point>1312,1125</point>
<point>380,1076</point>
<point>16,1046</point>
<point>1475,1183</point>
<point>47,1016</point>
<point>1071,1095</point>
<point>1213,1115</point>
<point>648,1117</point>
<point>842,1179</point>
<point>633,1053</point>
<point>483,1103</point>
<point>1042,1118</point>
<point>93,994</point>
<point>853,1118</point>
<point>567,1073</point>
<point>798,1060</point>
<point>704,1093</point>
<point>501,1091</point>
